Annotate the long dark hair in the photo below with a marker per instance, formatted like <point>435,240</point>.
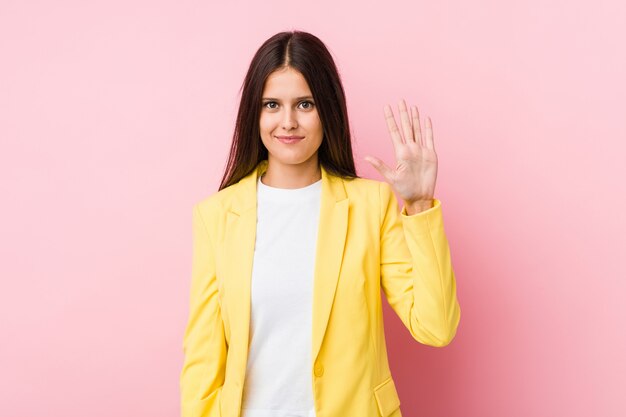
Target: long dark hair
<point>307,54</point>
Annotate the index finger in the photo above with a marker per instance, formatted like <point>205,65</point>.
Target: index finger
<point>396,137</point>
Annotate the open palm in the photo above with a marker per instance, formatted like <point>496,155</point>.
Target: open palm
<point>415,172</point>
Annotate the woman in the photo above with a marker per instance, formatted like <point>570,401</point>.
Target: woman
<point>290,255</point>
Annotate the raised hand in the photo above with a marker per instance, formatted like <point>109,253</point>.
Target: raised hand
<point>415,172</point>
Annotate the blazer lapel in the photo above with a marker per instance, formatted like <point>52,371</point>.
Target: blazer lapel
<point>239,255</point>
<point>331,238</point>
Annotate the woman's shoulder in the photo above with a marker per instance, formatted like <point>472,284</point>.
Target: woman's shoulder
<point>216,201</point>
<point>358,189</point>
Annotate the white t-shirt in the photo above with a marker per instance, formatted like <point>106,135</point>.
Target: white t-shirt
<point>278,379</point>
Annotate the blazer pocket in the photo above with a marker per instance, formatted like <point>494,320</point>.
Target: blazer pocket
<point>387,397</point>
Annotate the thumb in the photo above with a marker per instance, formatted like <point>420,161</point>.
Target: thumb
<point>380,166</point>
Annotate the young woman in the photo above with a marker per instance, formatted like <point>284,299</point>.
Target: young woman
<point>290,255</point>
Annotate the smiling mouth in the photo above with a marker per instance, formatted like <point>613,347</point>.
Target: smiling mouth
<point>289,139</point>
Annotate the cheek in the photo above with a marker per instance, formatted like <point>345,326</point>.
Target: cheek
<point>313,123</point>
<point>265,125</point>
<point>320,130</point>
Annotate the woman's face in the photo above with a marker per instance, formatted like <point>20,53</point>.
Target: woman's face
<point>288,109</point>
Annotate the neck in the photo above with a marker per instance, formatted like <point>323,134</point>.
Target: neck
<point>281,175</point>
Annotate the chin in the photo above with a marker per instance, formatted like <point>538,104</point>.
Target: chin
<point>287,158</point>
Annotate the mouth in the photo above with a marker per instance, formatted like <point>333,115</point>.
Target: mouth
<point>289,139</point>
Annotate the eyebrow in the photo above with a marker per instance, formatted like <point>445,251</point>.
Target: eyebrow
<point>297,98</point>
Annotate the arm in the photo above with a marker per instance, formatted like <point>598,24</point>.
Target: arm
<point>204,343</point>
<point>416,270</point>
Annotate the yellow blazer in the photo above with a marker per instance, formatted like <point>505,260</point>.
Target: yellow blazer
<point>364,244</point>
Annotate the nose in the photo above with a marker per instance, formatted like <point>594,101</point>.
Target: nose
<point>289,119</point>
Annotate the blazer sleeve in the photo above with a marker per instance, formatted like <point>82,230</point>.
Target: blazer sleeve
<point>204,342</point>
<point>416,270</point>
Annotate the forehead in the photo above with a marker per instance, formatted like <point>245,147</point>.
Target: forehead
<point>285,82</point>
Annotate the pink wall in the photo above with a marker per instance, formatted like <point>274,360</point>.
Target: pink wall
<point>116,116</point>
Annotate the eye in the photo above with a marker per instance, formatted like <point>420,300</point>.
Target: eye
<point>269,102</point>
<point>310,104</point>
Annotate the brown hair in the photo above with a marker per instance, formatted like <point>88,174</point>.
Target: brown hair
<point>307,54</point>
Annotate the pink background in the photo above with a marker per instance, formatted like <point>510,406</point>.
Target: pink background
<point>116,116</point>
